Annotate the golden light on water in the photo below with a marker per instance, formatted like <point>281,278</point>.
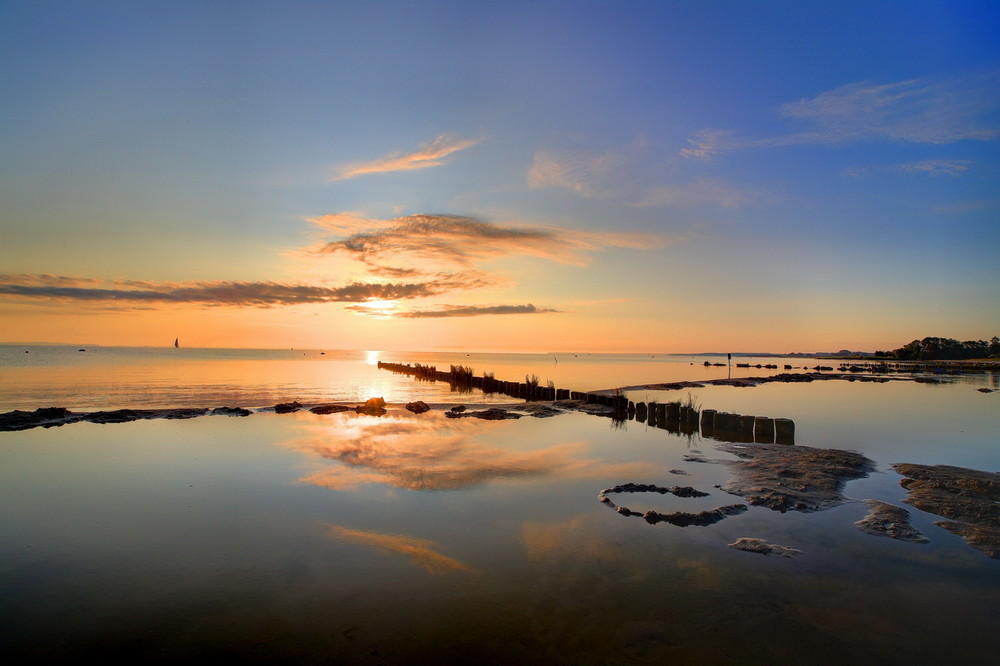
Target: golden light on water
<point>371,357</point>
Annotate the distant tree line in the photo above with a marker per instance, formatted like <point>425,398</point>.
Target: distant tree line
<point>944,349</point>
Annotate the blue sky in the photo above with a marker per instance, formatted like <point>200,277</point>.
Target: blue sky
<point>647,176</point>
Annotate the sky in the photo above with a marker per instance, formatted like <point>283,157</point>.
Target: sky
<point>527,175</point>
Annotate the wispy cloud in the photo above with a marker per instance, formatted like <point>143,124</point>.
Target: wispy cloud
<point>423,552</point>
<point>456,311</point>
<point>915,111</point>
<point>587,175</point>
<point>700,192</point>
<point>255,294</point>
<point>633,177</point>
<point>463,241</point>
<point>429,155</point>
<point>924,167</point>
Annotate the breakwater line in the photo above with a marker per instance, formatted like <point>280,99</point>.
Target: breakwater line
<point>677,417</point>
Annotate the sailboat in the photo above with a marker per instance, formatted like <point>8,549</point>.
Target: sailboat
<point>175,343</point>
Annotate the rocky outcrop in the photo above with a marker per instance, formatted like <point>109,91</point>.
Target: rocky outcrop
<point>792,478</point>
<point>287,407</point>
<point>969,498</point>
<point>418,407</point>
<point>755,545</point>
<point>891,521</point>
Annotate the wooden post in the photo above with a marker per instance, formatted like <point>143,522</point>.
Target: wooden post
<point>784,431</point>
<point>763,430</point>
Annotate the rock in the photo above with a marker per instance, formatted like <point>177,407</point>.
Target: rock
<point>457,409</point>
<point>372,407</point>
<point>792,478</point>
<point>127,415</point>
<point>891,521</point>
<point>329,409</point>
<point>985,390</point>
<point>540,411</point>
<point>287,407</point>
<point>700,519</point>
<point>754,545</point>
<point>418,407</point>
<point>231,411</point>
<point>678,518</point>
<point>43,416</point>
<point>968,497</point>
<point>491,414</point>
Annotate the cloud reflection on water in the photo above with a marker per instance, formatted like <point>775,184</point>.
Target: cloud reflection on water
<point>430,452</point>
<point>421,551</point>
<point>426,454</point>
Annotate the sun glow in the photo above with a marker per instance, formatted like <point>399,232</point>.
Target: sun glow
<point>379,305</point>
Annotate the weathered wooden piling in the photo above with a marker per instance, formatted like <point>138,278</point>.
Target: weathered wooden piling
<point>708,418</point>
<point>763,430</point>
<point>784,431</point>
<point>673,411</point>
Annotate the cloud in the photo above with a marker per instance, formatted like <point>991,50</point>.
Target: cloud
<point>423,552</point>
<point>429,155</point>
<point>46,279</point>
<point>256,294</point>
<point>708,143</point>
<point>700,192</point>
<point>927,167</point>
<point>455,311</point>
<point>462,241</point>
<point>915,111</point>
<point>588,176</point>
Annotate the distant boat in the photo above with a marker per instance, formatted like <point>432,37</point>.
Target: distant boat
<point>175,343</point>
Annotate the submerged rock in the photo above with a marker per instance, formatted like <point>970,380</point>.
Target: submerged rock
<point>968,497</point>
<point>793,478</point>
<point>329,409</point>
<point>891,521</point>
<point>418,407</point>
<point>755,545</point>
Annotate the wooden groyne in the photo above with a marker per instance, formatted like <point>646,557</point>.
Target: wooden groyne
<point>462,379</point>
<point>674,417</point>
<point>677,417</point>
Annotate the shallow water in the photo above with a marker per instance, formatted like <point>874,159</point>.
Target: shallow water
<point>418,538</point>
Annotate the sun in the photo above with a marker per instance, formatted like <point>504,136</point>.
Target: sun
<point>379,305</point>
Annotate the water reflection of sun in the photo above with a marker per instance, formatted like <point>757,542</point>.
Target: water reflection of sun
<point>371,357</point>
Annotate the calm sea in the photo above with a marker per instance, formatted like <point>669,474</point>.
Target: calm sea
<point>84,378</point>
<point>408,538</point>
